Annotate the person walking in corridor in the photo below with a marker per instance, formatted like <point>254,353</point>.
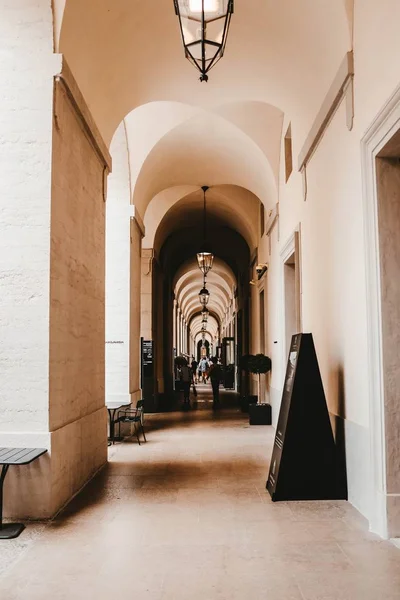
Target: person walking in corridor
<point>203,366</point>
<point>215,374</point>
<point>186,376</point>
<point>194,366</point>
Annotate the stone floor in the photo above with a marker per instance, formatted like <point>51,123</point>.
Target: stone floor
<point>186,517</point>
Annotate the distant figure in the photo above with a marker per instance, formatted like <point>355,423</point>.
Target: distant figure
<point>203,367</point>
<point>215,374</point>
<point>194,366</point>
<point>186,376</point>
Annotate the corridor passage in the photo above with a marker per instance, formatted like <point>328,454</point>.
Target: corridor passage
<point>186,517</point>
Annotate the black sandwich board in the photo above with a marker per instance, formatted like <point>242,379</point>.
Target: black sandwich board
<point>304,463</point>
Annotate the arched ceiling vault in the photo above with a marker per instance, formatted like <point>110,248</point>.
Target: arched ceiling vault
<point>196,327</point>
<point>128,60</point>
<point>241,149</point>
<point>190,266</point>
<point>227,206</point>
<point>184,243</point>
<point>126,53</point>
<point>221,283</point>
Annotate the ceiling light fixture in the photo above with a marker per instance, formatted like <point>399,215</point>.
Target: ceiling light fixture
<point>204,295</point>
<point>204,28</point>
<point>205,258</point>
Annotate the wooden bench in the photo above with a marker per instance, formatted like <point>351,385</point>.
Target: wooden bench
<point>8,457</point>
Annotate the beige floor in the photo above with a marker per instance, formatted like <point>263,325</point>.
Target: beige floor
<point>186,516</point>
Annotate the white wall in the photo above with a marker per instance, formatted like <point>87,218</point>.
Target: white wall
<point>333,245</point>
<point>118,256</point>
<point>26,95</point>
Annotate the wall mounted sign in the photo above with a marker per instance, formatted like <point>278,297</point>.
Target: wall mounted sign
<point>148,381</point>
<point>147,358</point>
<point>304,464</point>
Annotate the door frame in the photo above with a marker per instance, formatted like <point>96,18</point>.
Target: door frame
<point>383,128</point>
<point>292,246</point>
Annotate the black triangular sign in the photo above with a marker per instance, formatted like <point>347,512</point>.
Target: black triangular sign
<point>304,460</point>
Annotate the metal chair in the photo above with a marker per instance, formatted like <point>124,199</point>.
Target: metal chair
<point>134,416</point>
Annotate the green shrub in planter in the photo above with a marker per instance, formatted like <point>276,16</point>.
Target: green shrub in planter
<point>259,365</point>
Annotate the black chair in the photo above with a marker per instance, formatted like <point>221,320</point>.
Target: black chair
<point>135,416</point>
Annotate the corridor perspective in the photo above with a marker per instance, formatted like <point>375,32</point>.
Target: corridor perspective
<point>200,197</point>
<point>187,516</point>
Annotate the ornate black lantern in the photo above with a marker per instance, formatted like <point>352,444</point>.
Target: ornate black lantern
<point>204,296</point>
<point>205,258</point>
<point>204,28</point>
<point>205,313</point>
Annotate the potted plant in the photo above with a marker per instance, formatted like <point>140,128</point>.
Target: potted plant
<point>260,413</point>
<point>246,398</point>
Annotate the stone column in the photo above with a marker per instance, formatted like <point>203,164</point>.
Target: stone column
<point>118,258</point>
<point>27,70</point>
<point>181,332</point>
<point>174,325</point>
<point>146,310</point>
<point>137,233</point>
<point>52,208</point>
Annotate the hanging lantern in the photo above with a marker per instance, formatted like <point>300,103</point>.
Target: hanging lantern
<point>204,296</point>
<point>205,312</point>
<point>205,259</point>
<point>204,28</point>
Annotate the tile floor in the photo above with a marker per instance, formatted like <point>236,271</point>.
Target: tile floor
<point>186,517</point>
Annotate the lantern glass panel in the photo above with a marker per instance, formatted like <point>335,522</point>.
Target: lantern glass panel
<point>204,296</point>
<point>196,6</point>
<point>205,261</point>
<point>213,9</point>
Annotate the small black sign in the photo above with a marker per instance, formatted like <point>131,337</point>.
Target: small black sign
<point>147,360</point>
<point>304,463</point>
<point>147,352</point>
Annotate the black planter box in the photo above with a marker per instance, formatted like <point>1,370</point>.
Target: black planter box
<point>260,414</point>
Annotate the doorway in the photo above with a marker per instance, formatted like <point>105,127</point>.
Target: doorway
<point>388,195</point>
<point>291,290</point>
<point>381,173</point>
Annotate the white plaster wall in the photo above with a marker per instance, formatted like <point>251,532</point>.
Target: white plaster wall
<point>26,88</point>
<point>333,287</point>
<point>118,256</point>
<point>333,265</point>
